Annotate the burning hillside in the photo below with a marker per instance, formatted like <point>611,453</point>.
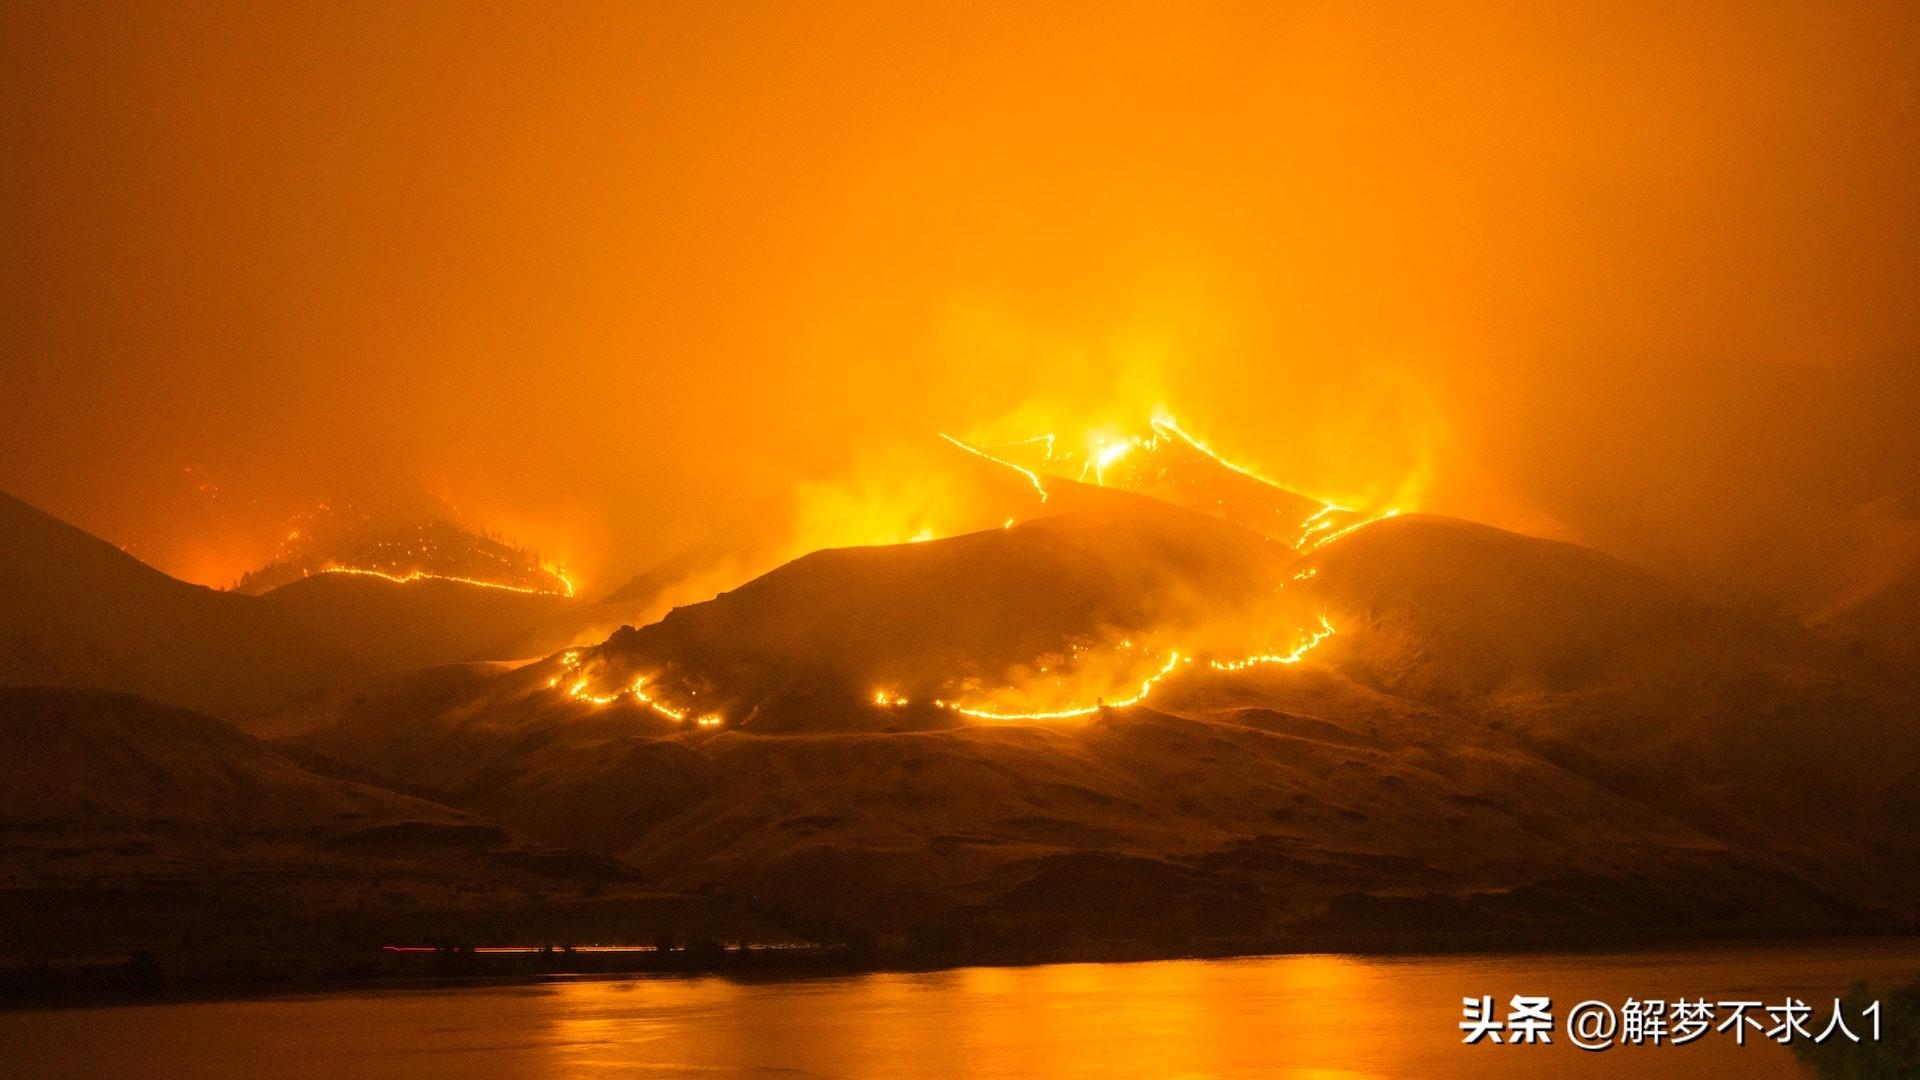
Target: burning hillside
<point>1121,563</point>
<point>349,538</point>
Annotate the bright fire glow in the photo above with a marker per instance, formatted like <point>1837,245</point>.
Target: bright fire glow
<point>1175,661</point>
<point>579,691</point>
<point>1294,657</point>
<point>1106,450</point>
<point>1328,538</point>
<point>1167,425</point>
<point>1032,477</point>
<point>566,585</point>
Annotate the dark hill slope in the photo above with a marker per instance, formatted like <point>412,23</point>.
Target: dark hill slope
<point>1609,668</point>
<point>76,611</point>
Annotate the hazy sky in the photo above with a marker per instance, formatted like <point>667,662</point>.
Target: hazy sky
<point>591,272</point>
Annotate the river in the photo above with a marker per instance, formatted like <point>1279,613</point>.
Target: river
<point>1320,1017</point>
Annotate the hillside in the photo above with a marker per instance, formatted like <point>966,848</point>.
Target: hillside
<point>1731,716</point>
<point>1500,739</point>
<point>1051,597</point>
<point>97,759</point>
<point>133,827</point>
<point>76,611</point>
<point>1504,737</point>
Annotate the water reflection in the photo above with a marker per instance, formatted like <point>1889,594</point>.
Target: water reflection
<point>1304,1017</point>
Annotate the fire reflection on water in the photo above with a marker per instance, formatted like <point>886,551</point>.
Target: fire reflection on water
<point>1281,1016</point>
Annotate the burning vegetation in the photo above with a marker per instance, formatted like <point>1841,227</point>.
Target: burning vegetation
<point>347,538</point>
<point>1137,560</point>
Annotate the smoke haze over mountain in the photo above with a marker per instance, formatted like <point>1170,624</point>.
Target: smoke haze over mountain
<point>600,282</point>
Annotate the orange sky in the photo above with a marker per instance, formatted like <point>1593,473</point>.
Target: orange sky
<point>592,272</point>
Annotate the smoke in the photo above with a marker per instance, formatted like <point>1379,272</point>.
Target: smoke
<point>1638,276</point>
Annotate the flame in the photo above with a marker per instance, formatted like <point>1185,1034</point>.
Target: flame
<point>1166,425</point>
<point>1329,538</point>
<point>1105,451</point>
<point>1294,657</point>
<point>570,661</point>
<point>566,584</point>
<point>1032,477</point>
<point>1174,662</point>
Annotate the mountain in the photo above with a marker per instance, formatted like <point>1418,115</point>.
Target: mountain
<point>1503,739</point>
<point>76,611</point>
<point>1113,727</point>
<point>1739,716</point>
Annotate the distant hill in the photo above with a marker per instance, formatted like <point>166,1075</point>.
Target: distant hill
<point>398,539</point>
<point>76,611</point>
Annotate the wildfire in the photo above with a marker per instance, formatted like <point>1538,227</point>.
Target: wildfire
<point>1104,452</point>
<point>1166,425</point>
<point>1032,477</point>
<point>1175,661</point>
<point>566,585</point>
<point>578,691</point>
<point>1328,538</point>
<point>1294,657</point>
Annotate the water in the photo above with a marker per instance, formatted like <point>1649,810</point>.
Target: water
<point>1315,1017</point>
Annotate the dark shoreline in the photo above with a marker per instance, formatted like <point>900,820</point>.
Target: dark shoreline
<point>116,985</point>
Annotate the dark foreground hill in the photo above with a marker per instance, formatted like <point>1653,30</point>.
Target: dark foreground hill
<point>76,611</point>
<point>134,829</point>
